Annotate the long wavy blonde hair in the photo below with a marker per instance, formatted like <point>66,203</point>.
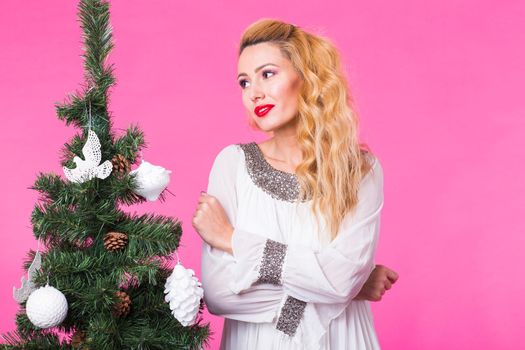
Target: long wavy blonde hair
<point>334,161</point>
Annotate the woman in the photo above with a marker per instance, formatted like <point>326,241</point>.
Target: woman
<point>290,225</point>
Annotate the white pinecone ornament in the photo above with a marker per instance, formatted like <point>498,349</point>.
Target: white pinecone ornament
<point>46,307</point>
<point>183,293</point>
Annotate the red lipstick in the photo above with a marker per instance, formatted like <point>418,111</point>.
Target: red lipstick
<point>262,110</point>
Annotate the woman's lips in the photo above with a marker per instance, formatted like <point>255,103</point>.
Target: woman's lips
<point>262,110</point>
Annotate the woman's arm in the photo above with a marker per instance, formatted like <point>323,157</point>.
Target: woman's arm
<point>335,274</point>
<point>255,304</point>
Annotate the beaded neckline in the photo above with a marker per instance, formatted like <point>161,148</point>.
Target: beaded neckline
<point>277,183</point>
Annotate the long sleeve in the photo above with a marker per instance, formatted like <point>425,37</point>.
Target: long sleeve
<point>258,303</point>
<point>333,275</point>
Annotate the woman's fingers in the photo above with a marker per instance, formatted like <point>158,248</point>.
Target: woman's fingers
<point>387,284</point>
<point>392,275</point>
<point>383,278</point>
<point>203,197</point>
<point>206,206</point>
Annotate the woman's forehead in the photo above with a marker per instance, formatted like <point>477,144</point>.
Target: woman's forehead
<point>257,55</point>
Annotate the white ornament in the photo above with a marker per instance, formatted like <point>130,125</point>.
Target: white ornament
<point>89,168</point>
<point>151,180</point>
<point>28,286</point>
<point>46,307</point>
<point>183,293</point>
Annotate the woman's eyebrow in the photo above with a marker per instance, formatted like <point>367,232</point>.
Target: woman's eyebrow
<point>258,68</point>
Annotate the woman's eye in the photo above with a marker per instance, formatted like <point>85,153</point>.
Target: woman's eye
<point>268,71</point>
<point>241,83</point>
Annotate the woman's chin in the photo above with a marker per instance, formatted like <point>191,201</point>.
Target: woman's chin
<point>266,128</point>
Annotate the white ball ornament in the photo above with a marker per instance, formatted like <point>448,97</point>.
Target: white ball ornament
<point>46,307</point>
<point>151,180</point>
<point>183,293</point>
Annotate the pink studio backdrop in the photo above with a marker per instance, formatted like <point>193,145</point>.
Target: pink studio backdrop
<point>437,85</point>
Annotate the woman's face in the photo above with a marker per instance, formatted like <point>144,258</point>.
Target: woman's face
<point>266,77</point>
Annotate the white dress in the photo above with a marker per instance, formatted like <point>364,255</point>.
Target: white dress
<point>285,286</point>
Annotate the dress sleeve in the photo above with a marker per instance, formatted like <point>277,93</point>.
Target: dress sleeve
<point>337,272</point>
<point>258,303</point>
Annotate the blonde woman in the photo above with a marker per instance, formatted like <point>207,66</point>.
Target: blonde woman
<point>290,225</point>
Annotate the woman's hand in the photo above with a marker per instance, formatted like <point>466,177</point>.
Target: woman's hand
<point>380,280</point>
<point>212,224</point>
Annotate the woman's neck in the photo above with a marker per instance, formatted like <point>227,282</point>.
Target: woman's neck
<point>283,149</point>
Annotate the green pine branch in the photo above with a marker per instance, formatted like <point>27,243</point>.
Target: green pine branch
<point>94,18</point>
<point>97,37</point>
<point>151,235</point>
<point>131,143</point>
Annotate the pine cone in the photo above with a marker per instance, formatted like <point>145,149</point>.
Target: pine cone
<point>123,306</point>
<point>121,165</point>
<point>78,340</point>
<point>115,240</point>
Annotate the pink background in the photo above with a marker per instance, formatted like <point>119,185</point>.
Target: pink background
<point>437,84</point>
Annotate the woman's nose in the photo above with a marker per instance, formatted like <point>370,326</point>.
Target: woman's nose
<point>255,93</point>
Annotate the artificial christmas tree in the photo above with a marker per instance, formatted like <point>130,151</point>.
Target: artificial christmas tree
<point>99,281</point>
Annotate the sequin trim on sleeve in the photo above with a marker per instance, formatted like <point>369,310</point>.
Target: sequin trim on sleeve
<point>291,315</point>
<point>272,263</point>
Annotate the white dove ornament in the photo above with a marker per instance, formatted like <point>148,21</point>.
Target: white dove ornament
<point>151,180</point>
<point>89,167</point>
<point>28,286</point>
